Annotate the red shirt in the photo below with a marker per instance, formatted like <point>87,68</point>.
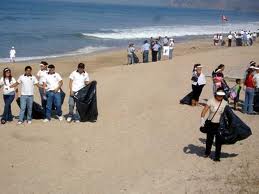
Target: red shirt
<point>250,82</point>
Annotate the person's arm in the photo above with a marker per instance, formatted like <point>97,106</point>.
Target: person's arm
<point>60,83</point>
<point>14,85</point>
<point>70,87</point>
<point>203,114</point>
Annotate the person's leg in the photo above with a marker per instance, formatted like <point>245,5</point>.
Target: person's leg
<point>199,91</point>
<point>71,105</point>
<point>218,146</point>
<point>5,113</point>
<point>153,56</point>
<point>57,103</point>
<point>43,101</point>
<point>49,105</point>
<point>251,101</point>
<point>29,107</point>
<point>170,54</point>
<point>209,142</point>
<point>194,94</point>
<point>129,59</point>
<point>147,54</point>
<point>159,54</point>
<point>22,108</point>
<point>245,106</point>
<point>10,115</point>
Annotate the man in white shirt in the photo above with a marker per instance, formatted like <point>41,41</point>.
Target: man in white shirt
<point>230,39</point>
<point>40,75</point>
<point>27,82</point>
<point>52,83</point>
<point>155,49</point>
<point>77,80</point>
<point>12,55</point>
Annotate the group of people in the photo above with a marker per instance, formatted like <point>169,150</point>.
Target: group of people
<point>216,105</point>
<point>242,38</point>
<point>158,47</point>
<point>49,83</point>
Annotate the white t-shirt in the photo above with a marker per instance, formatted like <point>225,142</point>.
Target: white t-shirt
<point>213,106</point>
<point>256,78</point>
<point>6,85</point>
<point>78,80</point>
<point>27,84</point>
<point>52,81</point>
<point>41,74</point>
<point>230,36</point>
<point>12,53</point>
<point>201,79</point>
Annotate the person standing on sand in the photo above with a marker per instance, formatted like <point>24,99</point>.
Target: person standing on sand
<point>160,49</point>
<point>171,48</point>
<point>77,80</point>
<point>155,49</point>
<point>198,82</point>
<point>52,83</point>
<point>145,51</point>
<point>131,50</point>
<point>215,106</point>
<point>8,94</point>
<point>250,85</point>
<point>230,37</point>
<point>12,54</point>
<point>41,75</point>
<point>27,81</point>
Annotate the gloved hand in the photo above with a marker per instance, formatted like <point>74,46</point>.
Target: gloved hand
<point>202,122</point>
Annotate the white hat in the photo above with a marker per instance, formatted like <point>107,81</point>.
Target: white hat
<point>220,93</point>
<point>41,64</point>
<point>256,68</point>
<point>199,66</point>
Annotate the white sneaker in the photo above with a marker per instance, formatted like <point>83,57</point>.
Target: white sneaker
<point>60,118</point>
<point>29,122</point>
<point>69,119</point>
<point>46,120</point>
<point>19,123</point>
<point>77,121</point>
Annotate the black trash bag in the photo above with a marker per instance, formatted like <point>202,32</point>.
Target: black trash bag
<point>86,103</point>
<point>256,101</point>
<point>187,99</point>
<point>63,95</point>
<point>37,110</point>
<point>232,128</point>
<point>135,57</point>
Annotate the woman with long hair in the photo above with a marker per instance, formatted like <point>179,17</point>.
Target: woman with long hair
<point>8,94</point>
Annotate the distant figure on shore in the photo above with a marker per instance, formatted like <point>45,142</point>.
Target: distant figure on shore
<point>155,50</point>
<point>12,54</point>
<point>250,85</point>
<point>145,51</point>
<point>171,48</point>
<point>230,37</point>
<point>216,39</point>
<point>131,50</point>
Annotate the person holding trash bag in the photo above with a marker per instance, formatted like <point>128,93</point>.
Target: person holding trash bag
<point>215,106</point>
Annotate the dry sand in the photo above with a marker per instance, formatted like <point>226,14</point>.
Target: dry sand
<point>143,142</point>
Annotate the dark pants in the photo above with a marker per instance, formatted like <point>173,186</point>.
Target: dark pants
<point>229,42</point>
<point>209,141</point>
<point>7,115</point>
<point>196,91</point>
<point>145,56</point>
<point>154,56</point>
<point>159,54</point>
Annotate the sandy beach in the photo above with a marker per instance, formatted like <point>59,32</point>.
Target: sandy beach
<point>144,141</point>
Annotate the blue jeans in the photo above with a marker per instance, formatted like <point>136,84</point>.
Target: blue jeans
<point>26,101</point>
<point>249,100</point>
<point>130,59</point>
<point>43,102</point>
<point>7,115</point>
<point>159,54</point>
<point>170,54</point>
<point>71,104</point>
<point>53,97</point>
<point>145,56</point>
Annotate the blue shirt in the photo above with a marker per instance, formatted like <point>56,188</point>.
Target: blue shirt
<point>145,47</point>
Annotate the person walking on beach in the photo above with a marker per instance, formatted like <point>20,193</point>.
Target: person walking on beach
<point>131,50</point>
<point>27,81</point>
<point>155,49</point>
<point>230,37</point>
<point>215,106</point>
<point>250,85</point>
<point>171,48</point>
<point>8,94</point>
<point>41,75</point>
<point>198,82</point>
<point>52,83</point>
<point>145,51</point>
<point>77,80</point>
<point>12,54</point>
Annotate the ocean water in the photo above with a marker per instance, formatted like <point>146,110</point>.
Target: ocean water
<point>40,29</point>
